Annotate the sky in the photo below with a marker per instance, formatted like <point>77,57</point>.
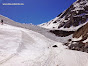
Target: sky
<point>34,11</point>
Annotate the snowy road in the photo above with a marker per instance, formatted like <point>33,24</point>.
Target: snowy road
<point>23,47</point>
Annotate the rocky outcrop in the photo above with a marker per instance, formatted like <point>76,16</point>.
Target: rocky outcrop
<point>83,31</point>
<point>75,15</point>
<point>81,44</point>
<point>61,33</point>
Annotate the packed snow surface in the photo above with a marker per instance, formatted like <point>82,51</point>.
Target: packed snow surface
<point>24,47</point>
<point>85,41</point>
<point>77,39</point>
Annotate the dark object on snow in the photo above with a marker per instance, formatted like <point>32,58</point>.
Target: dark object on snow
<point>61,33</point>
<point>1,22</point>
<point>66,44</point>
<point>55,46</point>
<point>69,40</point>
<point>55,22</point>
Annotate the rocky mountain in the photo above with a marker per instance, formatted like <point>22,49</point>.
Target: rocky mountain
<point>71,19</point>
<point>80,39</point>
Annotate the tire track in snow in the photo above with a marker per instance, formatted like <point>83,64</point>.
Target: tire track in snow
<point>51,59</point>
<point>5,60</point>
<point>19,49</point>
<point>12,55</point>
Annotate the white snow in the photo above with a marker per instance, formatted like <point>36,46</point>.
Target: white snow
<point>85,41</point>
<point>50,25</point>
<point>77,39</point>
<point>76,4</point>
<point>23,47</point>
<point>76,9</point>
<point>86,4</point>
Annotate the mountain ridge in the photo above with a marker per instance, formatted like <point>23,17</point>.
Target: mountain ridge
<point>74,17</point>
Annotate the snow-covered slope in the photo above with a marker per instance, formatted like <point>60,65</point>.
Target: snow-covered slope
<point>71,19</point>
<point>43,31</point>
<point>24,47</point>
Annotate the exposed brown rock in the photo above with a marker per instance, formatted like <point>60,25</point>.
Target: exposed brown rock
<point>83,31</point>
<point>61,33</point>
<point>79,45</point>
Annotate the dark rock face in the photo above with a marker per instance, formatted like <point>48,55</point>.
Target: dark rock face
<point>75,15</point>
<point>59,14</point>
<point>61,33</point>
<point>75,19</point>
<point>55,22</point>
<point>86,8</point>
<point>79,45</point>
<point>83,31</point>
<point>76,45</point>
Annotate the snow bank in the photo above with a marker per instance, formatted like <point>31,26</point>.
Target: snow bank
<point>85,41</point>
<point>77,39</point>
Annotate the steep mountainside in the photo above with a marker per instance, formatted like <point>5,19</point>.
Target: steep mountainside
<point>81,32</point>
<point>80,39</point>
<point>71,19</point>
